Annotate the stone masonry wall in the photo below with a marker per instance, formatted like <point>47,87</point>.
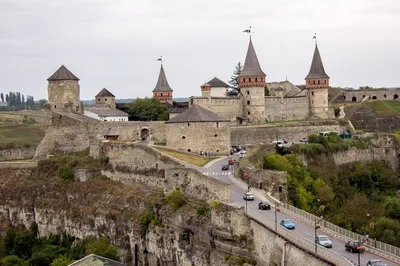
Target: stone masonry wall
<point>228,107</point>
<point>291,132</point>
<point>270,249</point>
<point>17,154</point>
<point>282,109</point>
<point>202,136</point>
<point>358,95</point>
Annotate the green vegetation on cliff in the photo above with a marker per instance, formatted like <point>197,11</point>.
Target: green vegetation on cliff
<point>384,108</point>
<point>23,248</point>
<point>345,195</point>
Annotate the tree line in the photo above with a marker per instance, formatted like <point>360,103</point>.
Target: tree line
<point>18,101</point>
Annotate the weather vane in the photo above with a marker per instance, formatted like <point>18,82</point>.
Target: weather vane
<point>248,31</point>
<point>315,37</point>
<point>160,59</point>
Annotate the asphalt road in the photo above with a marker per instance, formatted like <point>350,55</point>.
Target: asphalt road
<point>302,229</point>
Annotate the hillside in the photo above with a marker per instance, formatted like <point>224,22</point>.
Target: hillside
<point>384,108</point>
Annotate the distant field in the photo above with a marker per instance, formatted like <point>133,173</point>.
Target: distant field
<point>21,129</point>
<point>385,108</point>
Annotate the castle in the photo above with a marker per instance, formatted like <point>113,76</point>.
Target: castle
<point>260,101</point>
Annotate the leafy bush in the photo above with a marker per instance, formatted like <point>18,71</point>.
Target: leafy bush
<point>175,198</point>
<point>147,217</point>
<point>66,173</point>
<point>12,260</point>
<point>62,260</point>
<point>102,247</point>
<point>202,210</point>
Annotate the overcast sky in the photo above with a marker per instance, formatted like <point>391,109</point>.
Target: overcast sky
<point>115,43</point>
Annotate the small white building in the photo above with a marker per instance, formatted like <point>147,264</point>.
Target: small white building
<point>105,114</point>
<point>214,88</point>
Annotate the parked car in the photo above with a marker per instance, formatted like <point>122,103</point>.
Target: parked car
<point>279,141</point>
<point>354,246</point>
<point>288,224</point>
<point>225,167</point>
<point>248,196</point>
<point>231,161</point>
<point>264,205</point>
<point>323,240</point>
<point>375,263</point>
<point>304,140</point>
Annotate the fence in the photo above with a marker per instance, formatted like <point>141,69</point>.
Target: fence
<point>387,251</point>
<point>306,244</point>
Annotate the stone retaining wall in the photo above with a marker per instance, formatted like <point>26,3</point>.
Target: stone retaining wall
<point>17,154</point>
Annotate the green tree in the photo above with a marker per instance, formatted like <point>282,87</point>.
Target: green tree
<point>43,255</point>
<point>148,110</point>
<point>102,247</point>
<point>234,81</point>
<point>8,242</point>
<point>42,102</point>
<point>392,207</point>
<point>62,260</point>
<point>2,97</point>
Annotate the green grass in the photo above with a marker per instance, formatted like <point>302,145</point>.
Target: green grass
<point>20,135</point>
<point>385,108</point>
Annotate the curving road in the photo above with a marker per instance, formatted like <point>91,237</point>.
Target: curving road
<point>238,188</point>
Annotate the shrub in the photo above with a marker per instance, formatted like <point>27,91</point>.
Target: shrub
<point>202,210</point>
<point>66,173</point>
<point>147,218</point>
<point>176,198</point>
<point>102,247</point>
<point>12,260</point>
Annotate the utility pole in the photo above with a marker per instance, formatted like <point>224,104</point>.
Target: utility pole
<point>316,227</point>
<point>276,218</point>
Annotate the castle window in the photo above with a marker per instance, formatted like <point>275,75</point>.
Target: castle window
<point>256,79</point>
<point>261,79</point>
<point>161,94</point>
<point>98,99</point>
<point>248,92</point>
<point>318,81</point>
<point>105,99</point>
<point>215,135</point>
<point>312,101</point>
<point>314,82</point>
<point>244,79</point>
<point>189,150</point>
<point>188,124</point>
<point>248,112</point>
<point>249,79</point>
<point>248,102</point>
<point>384,95</point>
<point>312,93</point>
<point>217,124</point>
<point>55,106</point>
<point>325,81</point>
<point>183,137</point>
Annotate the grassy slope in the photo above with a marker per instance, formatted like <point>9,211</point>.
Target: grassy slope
<point>385,108</point>
<point>190,158</point>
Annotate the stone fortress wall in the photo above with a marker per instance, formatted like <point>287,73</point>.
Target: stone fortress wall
<point>185,136</point>
<point>378,94</point>
<point>292,132</point>
<point>227,107</point>
<point>133,163</point>
<point>288,108</point>
<point>17,154</point>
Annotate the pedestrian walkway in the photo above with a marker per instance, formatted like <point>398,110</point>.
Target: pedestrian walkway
<point>216,173</point>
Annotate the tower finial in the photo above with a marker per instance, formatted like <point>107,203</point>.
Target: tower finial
<point>315,37</point>
<point>160,59</point>
<point>248,31</point>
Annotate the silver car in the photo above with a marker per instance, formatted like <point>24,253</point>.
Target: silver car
<point>323,240</point>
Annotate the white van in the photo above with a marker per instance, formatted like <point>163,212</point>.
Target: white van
<point>326,133</point>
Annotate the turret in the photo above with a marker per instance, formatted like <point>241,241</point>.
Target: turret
<point>162,91</point>
<point>64,91</point>
<point>105,98</point>
<point>252,82</point>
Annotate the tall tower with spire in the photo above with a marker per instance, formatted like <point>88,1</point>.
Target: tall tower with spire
<point>162,91</point>
<point>317,84</point>
<point>252,82</point>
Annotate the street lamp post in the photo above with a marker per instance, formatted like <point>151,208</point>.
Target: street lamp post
<point>373,226</point>
<point>316,227</point>
<point>276,216</point>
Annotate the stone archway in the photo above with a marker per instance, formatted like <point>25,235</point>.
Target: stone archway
<point>354,99</point>
<point>373,97</point>
<point>395,97</point>
<point>144,133</point>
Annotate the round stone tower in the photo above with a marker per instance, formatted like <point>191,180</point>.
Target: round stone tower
<point>252,82</point>
<point>317,84</point>
<point>64,92</point>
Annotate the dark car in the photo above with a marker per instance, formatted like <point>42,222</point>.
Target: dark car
<point>354,246</point>
<point>263,205</point>
<point>375,263</point>
<point>225,167</point>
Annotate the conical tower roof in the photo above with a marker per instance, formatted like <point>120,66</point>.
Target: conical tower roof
<point>251,65</point>
<point>317,70</point>
<point>197,113</point>
<point>63,74</point>
<point>105,93</point>
<point>162,83</point>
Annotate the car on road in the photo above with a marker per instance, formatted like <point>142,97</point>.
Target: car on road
<point>323,240</point>
<point>279,141</point>
<point>225,167</point>
<point>288,224</point>
<point>304,140</point>
<point>354,246</point>
<point>264,205</point>
<point>231,161</point>
<point>248,196</point>
<point>375,263</point>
